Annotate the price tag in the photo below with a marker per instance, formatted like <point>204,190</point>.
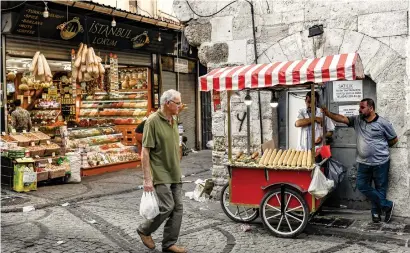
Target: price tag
<point>53,154</point>
<point>33,144</point>
<point>36,129</point>
<point>13,131</point>
<point>24,131</point>
<point>3,133</point>
<point>50,160</point>
<point>48,142</point>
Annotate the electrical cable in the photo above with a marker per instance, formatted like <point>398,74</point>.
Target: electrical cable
<point>207,16</point>
<point>144,11</point>
<point>14,7</point>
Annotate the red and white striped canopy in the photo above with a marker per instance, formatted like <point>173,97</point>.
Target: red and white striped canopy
<point>318,70</point>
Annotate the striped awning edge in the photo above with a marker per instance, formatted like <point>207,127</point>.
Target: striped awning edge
<point>317,70</point>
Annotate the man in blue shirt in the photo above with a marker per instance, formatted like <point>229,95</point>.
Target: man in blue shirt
<point>374,137</point>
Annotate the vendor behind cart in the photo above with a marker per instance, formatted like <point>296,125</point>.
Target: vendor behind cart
<point>303,123</point>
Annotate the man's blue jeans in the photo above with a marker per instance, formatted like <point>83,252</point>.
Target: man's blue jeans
<point>379,174</point>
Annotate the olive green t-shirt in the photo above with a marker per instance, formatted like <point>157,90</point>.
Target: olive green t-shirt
<point>163,141</point>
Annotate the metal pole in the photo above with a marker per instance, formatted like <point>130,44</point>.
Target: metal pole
<point>255,50</point>
<point>324,127</point>
<point>312,120</point>
<point>248,125</point>
<point>4,86</point>
<point>229,126</point>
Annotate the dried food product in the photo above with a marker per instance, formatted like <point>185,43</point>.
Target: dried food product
<point>7,138</point>
<point>20,138</point>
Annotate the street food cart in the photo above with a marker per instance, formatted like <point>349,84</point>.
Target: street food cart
<point>275,184</point>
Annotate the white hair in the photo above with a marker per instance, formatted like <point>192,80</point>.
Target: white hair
<point>169,95</point>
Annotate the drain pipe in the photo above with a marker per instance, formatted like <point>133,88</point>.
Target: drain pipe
<point>256,61</point>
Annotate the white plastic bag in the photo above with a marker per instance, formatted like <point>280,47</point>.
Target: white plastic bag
<point>320,185</point>
<point>75,167</point>
<point>149,206</point>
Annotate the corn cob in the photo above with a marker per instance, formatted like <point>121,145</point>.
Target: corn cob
<point>263,157</point>
<point>278,155</point>
<point>266,160</point>
<point>272,157</point>
<point>282,157</point>
<point>304,159</point>
<point>300,158</point>
<point>295,159</point>
<point>289,161</point>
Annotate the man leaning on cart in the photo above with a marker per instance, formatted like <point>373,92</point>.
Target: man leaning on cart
<point>375,135</point>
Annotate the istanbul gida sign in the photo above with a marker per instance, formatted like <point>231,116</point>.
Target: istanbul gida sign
<point>96,32</point>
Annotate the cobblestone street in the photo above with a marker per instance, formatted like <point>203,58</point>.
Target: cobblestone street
<point>108,224</point>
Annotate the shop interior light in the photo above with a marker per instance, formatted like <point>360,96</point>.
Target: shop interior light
<point>113,23</point>
<point>274,101</point>
<point>159,36</point>
<point>45,13</point>
<point>248,99</point>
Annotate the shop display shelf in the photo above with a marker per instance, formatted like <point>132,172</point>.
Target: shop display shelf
<point>100,169</point>
<point>93,136</point>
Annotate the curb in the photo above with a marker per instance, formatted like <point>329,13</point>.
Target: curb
<point>61,201</point>
<point>358,235</point>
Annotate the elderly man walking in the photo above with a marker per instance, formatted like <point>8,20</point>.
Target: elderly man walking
<point>374,137</point>
<point>162,172</point>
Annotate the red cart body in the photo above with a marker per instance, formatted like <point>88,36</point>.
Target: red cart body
<point>248,186</point>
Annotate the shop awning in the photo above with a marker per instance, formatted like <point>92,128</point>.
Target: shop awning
<point>317,70</point>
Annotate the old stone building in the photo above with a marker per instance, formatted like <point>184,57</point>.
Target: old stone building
<point>377,30</point>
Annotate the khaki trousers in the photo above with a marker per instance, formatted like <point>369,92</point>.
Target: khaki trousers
<point>171,208</point>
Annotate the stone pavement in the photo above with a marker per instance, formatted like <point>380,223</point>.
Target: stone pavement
<point>102,216</point>
<point>97,186</point>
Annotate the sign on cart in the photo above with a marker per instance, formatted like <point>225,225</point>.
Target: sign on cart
<point>348,91</point>
<point>29,177</point>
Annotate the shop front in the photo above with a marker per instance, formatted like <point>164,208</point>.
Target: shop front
<point>86,82</point>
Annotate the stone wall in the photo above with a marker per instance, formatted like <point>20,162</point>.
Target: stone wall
<point>377,30</point>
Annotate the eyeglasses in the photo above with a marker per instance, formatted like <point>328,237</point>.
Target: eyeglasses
<point>177,103</point>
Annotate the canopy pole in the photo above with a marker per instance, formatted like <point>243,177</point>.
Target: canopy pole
<point>229,93</point>
<point>324,102</point>
<point>248,126</point>
<point>312,120</point>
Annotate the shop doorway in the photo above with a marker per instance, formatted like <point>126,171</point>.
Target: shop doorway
<point>344,147</point>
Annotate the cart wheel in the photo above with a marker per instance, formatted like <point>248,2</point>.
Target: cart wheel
<point>288,221</point>
<point>237,213</point>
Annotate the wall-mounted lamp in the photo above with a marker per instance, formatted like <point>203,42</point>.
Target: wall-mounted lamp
<point>159,37</point>
<point>113,23</point>
<point>274,101</point>
<point>315,30</point>
<point>248,99</point>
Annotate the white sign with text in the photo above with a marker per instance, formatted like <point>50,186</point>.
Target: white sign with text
<point>349,110</point>
<point>348,91</point>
